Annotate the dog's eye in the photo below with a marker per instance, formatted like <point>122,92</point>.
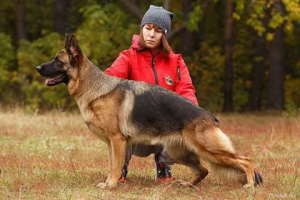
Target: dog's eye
<point>57,59</point>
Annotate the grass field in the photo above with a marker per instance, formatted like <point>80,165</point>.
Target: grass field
<point>54,156</point>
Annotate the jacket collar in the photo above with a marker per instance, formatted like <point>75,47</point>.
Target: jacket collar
<point>135,42</point>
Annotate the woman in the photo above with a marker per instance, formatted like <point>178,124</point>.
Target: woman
<point>150,59</point>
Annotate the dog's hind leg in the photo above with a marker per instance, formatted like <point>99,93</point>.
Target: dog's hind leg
<point>211,144</point>
<point>198,172</point>
<point>180,154</point>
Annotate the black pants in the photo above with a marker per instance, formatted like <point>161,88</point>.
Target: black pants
<point>142,150</point>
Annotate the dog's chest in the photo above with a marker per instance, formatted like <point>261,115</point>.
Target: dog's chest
<point>96,125</point>
<point>99,131</point>
<point>99,115</point>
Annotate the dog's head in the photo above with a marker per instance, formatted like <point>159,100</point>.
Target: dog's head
<point>64,66</point>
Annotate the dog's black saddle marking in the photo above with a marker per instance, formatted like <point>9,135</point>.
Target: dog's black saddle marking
<point>164,111</point>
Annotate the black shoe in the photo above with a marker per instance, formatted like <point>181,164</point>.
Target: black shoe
<point>163,171</point>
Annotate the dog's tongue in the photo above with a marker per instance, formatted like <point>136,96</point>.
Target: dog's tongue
<point>54,80</point>
<point>49,82</point>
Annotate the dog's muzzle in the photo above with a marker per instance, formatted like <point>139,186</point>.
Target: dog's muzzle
<point>52,78</point>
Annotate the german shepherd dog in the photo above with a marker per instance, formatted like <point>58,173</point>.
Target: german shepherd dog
<point>121,112</point>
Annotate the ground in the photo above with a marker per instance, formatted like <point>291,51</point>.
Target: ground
<point>53,155</point>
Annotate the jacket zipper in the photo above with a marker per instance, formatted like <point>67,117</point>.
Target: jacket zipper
<point>178,73</point>
<point>154,70</point>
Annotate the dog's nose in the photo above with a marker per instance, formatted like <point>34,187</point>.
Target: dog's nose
<point>38,68</point>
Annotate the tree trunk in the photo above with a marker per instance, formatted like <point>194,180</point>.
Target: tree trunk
<point>276,74</point>
<point>60,11</point>
<point>228,94</point>
<point>21,18</point>
<point>258,74</point>
<point>167,4</point>
<point>133,8</point>
<point>187,40</point>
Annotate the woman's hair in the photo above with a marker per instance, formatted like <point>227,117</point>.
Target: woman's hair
<point>166,48</point>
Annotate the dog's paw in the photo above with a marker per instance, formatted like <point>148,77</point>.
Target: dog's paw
<point>108,185</point>
<point>112,184</point>
<point>108,179</point>
<point>247,185</point>
<point>185,185</point>
<point>102,185</point>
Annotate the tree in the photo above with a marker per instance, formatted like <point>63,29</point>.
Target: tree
<point>228,93</point>
<point>133,8</point>
<point>20,18</point>
<point>187,38</point>
<point>258,74</point>
<point>60,12</point>
<point>281,17</point>
<point>259,67</point>
<point>276,58</point>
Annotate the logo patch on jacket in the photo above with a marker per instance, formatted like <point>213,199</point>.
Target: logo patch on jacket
<point>169,80</point>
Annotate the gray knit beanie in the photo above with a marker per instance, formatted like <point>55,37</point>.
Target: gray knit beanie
<point>158,16</point>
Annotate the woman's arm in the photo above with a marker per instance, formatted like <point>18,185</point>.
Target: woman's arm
<point>184,85</point>
<point>121,66</point>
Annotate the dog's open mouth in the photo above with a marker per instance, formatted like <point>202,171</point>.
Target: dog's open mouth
<point>55,80</point>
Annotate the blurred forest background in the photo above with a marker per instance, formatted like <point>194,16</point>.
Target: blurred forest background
<point>243,55</point>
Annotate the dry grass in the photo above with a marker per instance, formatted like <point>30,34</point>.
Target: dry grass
<point>54,156</point>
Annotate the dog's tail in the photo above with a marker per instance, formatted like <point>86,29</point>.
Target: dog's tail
<point>230,174</point>
<point>226,173</point>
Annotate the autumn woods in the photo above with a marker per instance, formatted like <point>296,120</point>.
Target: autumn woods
<point>242,55</point>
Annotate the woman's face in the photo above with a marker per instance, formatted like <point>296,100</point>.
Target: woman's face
<point>152,35</point>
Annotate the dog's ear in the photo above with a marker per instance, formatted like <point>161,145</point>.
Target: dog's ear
<point>67,41</point>
<point>74,48</point>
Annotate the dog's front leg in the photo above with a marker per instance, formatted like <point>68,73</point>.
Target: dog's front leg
<point>117,153</point>
<point>104,185</point>
<point>118,147</point>
<point>110,163</point>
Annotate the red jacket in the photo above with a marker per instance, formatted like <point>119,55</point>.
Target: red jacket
<point>170,73</point>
